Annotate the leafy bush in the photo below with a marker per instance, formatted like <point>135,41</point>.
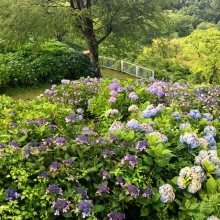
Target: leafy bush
<point>101,149</point>
<point>51,62</point>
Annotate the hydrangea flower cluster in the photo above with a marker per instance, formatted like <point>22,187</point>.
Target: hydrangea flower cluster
<point>212,217</point>
<point>161,137</point>
<point>111,112</point>
<point>133,124</point>
<point>191,178</point>
<point>113,138</point>
<point>166,193</point>
<point>85,207</point>
<point>116,216</point>
<point>12,194</point>
<point>60,141</point>
<point>146,128</point>
<point>105,174</point>
<point>210,139</point>
<point>83,139</point>
<point>176,115</point>
<point>147,192</point>
<point>82,192</point>
<point>208,116</point>
<point>133,96</point>
<point>131,159</point>
<point>117,125</point>
<point>108,152</point>
<point>210,130</point>
<point>68,161</point>
<point>119,181</point>
<point>61,205</point>
<point>26,152</point>
<point>184,125</point>
<point>14,145</point>
<point>102,188</point>
<point>195,114</point>
<point>157,88</point>
<point>211,156</point>
<point>54,188</point>
<point>41,148</point>
<point>55,166</point>
<point>132,190</point>
<point>190,139</point>
<point>133,108</point>
<point>141,145</point>
<point>151,111</point>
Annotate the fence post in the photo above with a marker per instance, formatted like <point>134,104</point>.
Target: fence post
<point>137,68</point>
<point>153,74</point>
<point>122,66</point>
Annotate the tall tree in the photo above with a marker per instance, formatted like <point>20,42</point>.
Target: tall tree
<point>204,48</point>
<point>95,20</point>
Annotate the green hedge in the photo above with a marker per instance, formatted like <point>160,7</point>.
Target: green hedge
<point>35,64</point>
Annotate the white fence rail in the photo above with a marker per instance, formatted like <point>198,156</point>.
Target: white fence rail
<point>125,67</point>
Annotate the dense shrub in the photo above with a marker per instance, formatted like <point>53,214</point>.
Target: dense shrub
<point>100,149</point>
<point>51,62</point>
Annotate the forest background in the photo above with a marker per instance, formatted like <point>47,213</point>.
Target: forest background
<point>183,46</point>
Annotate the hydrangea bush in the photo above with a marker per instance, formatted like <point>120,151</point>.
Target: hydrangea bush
<point>102,149</point>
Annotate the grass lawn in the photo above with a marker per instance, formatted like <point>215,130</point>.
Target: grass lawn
<point>30,93</point>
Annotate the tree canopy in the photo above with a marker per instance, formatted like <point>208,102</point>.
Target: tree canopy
<point>93,20</point>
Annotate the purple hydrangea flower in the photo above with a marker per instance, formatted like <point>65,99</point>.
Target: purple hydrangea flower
<point>86,130</point>
<point>147,192</point>
<point>157,88</point>
<point>108,152</point>
<point>102,188</point>
<point>61,205</point>
<point>40,121</point>
<point>116,216</point>
<point>14,145</point>
<point>82,192</point>
<point>112,99</point>
<point>26,152</point>
<point>60,141</point>
<point>85,207</point>
<point>100,140</point>
<point>80,111</point>
<point>133,96</point>
<point>2,146</point>
<point>113,86</point>
<point>48,92</point>
<point>131,159</point>
<point>151,79</point>
<point>83,139</point>
<point>41,148</point>
<point>54,127</point>
<point>68,161</point>
<point>119,181</point>
<point>55,189</point>
<point>113,93</point>
<point>47,141</point>
<point>44,174</point>
<point>132,190</point>
<point>12,194</point>
<point>113,138</point>
<point>70,118</point>
<point>105,174</point>
<point>54,166</point>
<point>126,144</point>
<point>33,144</point>
<point>141,145</point>
<point>14,125</point>
<point>116,126</point>
<point>208,116</point>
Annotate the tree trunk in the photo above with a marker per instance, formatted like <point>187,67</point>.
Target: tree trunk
<point>92,44</point>
<point>213,74</point>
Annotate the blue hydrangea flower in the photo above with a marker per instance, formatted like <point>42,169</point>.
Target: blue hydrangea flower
<point>131,159</point>
<point>141,145</point>
<point>133,124</point>
<point>195,114</point>
<point>12,194</point>
<point>166,193</point>
<point>208,116</point>
<point>132,190</point>
<point>191,139</point>
<point>102,188</point>
<point>82,192</point>
<point>210,130</point>
<point>176,115</point>
<point>210,139</point>
<point>55,189</point>
<point>147,192</point>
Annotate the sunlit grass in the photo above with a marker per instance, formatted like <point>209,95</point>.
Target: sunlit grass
<point>30,93</point>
